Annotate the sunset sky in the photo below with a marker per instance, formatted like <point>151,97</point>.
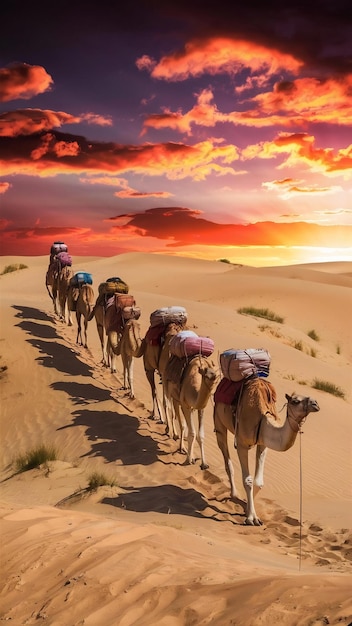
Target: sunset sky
<point>187,128</point>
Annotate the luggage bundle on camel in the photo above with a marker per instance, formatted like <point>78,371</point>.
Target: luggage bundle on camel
<point>119,309</point>
<point>78,280</point>
<point>188,344</point>
<point>107,290</point>
<point>237,365</point>
<point>168,315</point>
<point>160,319</point>
<point>112,286</point>
<point>81,278</point>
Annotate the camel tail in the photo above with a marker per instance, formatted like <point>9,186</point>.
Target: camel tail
<point>49,292</point>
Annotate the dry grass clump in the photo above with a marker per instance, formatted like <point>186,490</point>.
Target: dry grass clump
<point>313,335</point>
<point>35,457</point>
<point>13,268</point>
<point>266,313</point>
<point>324,385</point>
<point>98,479</point>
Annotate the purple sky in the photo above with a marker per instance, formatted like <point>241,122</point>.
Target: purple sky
<point>188,128</point>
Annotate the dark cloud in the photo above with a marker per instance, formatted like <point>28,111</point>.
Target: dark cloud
<point>182,226</point>
<point>319,32</point>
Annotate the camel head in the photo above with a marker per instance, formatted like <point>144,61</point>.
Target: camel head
<point>298,407</point>
<point>209,376</point>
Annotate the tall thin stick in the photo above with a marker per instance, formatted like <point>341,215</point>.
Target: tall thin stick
<point>300,500</point>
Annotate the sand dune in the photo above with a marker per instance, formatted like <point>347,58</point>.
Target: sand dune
<point>164,544</point>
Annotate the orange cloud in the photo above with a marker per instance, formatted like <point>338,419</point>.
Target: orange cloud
<point>301,151</point>
<point>126,190</point>
<point>305,100</point>
<point>289,187</point>
<point>55,153</point>
<point>132,193</point>
<point>291,103</point>
<point>4,187</point>
<point>204,113</point>
<point>23,81</point>
<point>28,121</point>
<point>219,55</point>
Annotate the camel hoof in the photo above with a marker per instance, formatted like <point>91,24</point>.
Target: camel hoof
<point>255,522</point>
<point>204,466</point>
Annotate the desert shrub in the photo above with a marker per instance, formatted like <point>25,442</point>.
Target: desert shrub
<point>297,344</point>
<point>313,352</point>
<point>224,261</point>
<point>266,313</point>
<point>313,335</point>
<point>338,349</point>
<point>324,385</point>
<point>98,479</point>
<point>266,328</point>
<point>35,457</point>
<point>13,268</point>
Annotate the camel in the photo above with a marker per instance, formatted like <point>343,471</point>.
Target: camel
<point>99,314</point>
<point>60,292</point>
<point>256,423</point>
<point>51,278</point>
<point>128,344</point>
<point>191,393</point>
<point>155,359</point>
<point>84,306</point>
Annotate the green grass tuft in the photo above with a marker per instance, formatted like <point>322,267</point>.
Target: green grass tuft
<point>324,385</point>
<point>35,457</point>
<point>13,268</point>
<point>98,479</point>
<point>265,313</point>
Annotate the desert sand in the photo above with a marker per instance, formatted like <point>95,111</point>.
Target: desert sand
<point>164,544</point>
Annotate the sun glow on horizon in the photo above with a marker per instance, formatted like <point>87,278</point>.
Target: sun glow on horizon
<point>266,256</point>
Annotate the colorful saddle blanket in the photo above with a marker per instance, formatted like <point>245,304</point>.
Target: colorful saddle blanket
<point>227,391</point>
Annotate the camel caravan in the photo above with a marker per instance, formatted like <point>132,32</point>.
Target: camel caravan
<point>180,361</point>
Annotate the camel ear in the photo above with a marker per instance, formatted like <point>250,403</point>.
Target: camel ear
<point>288,398</point>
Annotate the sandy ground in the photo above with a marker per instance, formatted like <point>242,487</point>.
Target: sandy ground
<point>164,544</point>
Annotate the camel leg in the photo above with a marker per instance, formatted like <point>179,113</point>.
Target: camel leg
<point>170,414</point>
<point>79,329</point>
<point>200,438</point>
<point>247,479</point>
<point>182,426</point>
<point>111,355</point>
<point>259,469</point>
<point>221,438</point>
<point>113,348</point>
<point>55,300</point>
<point>191,434</point>
<point>156,411</point>
<point>100,329</point>
<point>85,332</point>
<point>127,362</point>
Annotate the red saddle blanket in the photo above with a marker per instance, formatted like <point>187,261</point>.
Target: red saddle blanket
<point>154,334</point>
<point>227,391</point>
